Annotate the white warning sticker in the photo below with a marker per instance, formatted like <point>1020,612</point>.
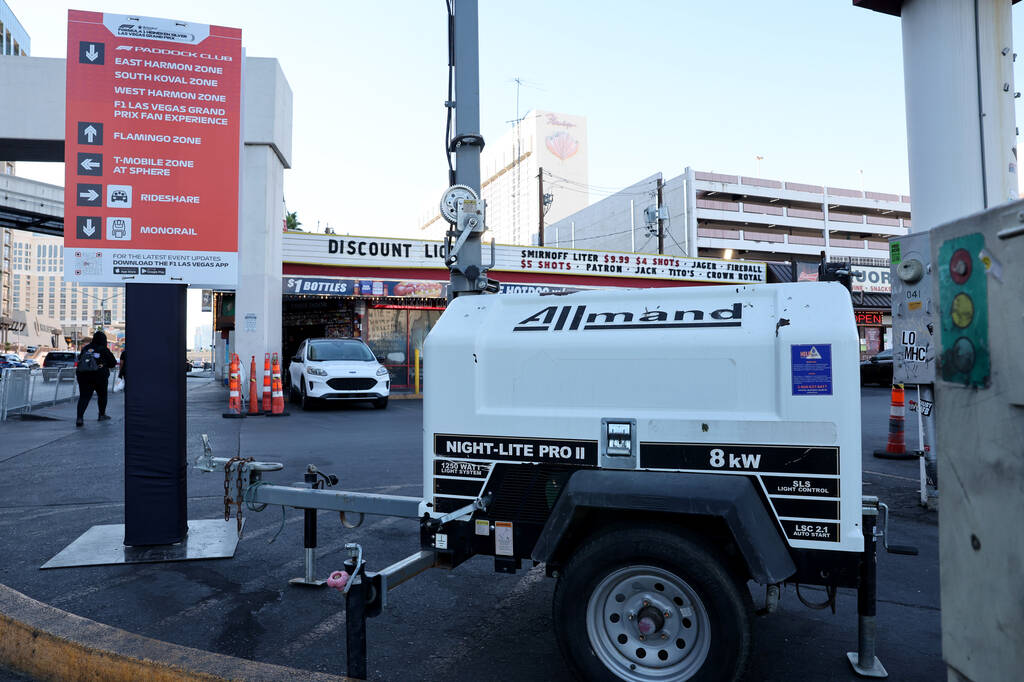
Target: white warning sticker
<point>441,541</point>
<point>503,538</point>
<point>483,527</point>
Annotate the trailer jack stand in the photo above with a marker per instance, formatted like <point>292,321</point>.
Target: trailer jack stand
<point>863,661</point>
<point>309,543</point>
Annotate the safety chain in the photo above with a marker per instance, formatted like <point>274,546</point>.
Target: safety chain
<point>237,501</point>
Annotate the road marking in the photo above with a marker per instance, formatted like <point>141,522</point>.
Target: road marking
<point>902,478</point>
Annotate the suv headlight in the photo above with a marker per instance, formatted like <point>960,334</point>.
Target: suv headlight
<point>382,371</point>
<point>316,371</point>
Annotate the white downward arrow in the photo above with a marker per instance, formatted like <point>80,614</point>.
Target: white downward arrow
<point>90,195</point>
<point>88,229</point>
<point>90,133</point>
<point>92,54</point>
<point>89,164</point>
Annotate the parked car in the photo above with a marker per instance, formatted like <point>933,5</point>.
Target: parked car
<point>877,369</point>
<point>57,360</point>
<point>11,360</point>
<point>337,369</point>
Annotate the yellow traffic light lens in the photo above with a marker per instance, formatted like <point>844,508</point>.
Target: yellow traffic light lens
<point>962,310</point>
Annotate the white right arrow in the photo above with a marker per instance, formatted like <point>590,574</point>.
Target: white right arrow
<point>90,133</point>
<point>91,195</point>
<point>89,164</point>
<point>88,229</point>
<point>92,54</point>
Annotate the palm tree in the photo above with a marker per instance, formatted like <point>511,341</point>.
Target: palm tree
<point>291,221</point>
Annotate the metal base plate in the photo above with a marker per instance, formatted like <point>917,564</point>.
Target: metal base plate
<point>876,669</point>
<point>306,583</point>
<point>104,545</point>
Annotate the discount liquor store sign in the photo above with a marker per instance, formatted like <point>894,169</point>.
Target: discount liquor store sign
<point>151,150</point>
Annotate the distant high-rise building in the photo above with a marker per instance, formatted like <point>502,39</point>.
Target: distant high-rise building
<point>40,292</point>
<point>510,168</point>
<point>202,338</point>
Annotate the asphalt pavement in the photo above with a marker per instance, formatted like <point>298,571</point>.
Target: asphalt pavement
<point>57,481</point>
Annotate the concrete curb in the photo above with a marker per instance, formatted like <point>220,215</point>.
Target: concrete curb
<point>51,644</point>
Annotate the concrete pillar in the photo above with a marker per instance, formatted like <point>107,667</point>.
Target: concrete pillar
<point>958,77</point>
<point>267,152</point>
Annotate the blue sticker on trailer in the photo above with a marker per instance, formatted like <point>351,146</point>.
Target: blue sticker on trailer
<point>812,369</point>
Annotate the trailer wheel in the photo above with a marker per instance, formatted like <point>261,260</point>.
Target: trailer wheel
<point>646,604</point>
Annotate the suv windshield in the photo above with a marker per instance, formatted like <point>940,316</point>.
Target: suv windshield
<point>339,349</point>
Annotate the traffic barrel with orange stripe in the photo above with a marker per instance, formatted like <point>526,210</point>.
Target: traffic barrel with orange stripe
<point>896,447</point>
<point>277,392</point>
<point>267,390</point>
<point>234,391</point>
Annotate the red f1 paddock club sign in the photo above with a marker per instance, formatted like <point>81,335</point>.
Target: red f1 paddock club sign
<point>151,151</point>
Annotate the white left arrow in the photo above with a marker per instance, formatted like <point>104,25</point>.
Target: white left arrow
<point>92,54</point>
<point>91,195</point>
<point>89,164</point>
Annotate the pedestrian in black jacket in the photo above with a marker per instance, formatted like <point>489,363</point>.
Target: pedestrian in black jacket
<point>93,371</point>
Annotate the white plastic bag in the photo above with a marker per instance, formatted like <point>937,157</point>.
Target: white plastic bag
<point>118,385</point>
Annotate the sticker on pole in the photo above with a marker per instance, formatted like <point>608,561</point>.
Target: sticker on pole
<point>812,369</point>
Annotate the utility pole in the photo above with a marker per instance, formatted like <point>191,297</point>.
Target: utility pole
<point>661,222</point>
<point>468,274</point>
<point>540,206</point>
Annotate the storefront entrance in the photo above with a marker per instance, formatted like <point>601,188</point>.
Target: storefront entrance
<point>394,334</point>
<point>310,317</point>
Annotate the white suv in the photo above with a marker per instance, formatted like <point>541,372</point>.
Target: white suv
<point>337,369</point>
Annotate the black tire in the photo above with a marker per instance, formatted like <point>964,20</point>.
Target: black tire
<point>726,604</point>
<point>293,393</point>
<point>305,402</point>
<point>380,403</point>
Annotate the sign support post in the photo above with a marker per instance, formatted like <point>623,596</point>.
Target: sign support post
<point>155,436</point>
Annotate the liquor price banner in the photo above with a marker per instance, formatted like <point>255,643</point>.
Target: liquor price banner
<point>151,151</point>
<point>314,249</point>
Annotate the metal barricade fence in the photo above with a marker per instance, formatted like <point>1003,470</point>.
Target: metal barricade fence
<point>15,391</point>
<point>65,386</point>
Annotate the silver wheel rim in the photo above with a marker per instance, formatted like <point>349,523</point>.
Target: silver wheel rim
<point>631,634</point>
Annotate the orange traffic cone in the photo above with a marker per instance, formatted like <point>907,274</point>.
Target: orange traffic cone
<point>234,392</point>
<point>254,394</point>
<point>896,447</point>
<point>266,384</point>
<point>277,394</point>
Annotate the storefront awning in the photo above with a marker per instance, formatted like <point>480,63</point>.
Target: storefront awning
<point>873,301</point>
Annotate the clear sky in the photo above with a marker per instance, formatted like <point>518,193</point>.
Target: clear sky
<point>815,87</point>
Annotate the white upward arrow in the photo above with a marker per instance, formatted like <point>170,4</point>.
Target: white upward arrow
<point>92,54</point>
<point>90,195</point>
<point>89,164</point>
<point>90,133</point>
<point>88,229</point>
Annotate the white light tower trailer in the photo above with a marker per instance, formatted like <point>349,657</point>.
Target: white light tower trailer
<point>655,449</point>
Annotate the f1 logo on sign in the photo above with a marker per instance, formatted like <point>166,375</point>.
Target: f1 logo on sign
<point>911,351</point>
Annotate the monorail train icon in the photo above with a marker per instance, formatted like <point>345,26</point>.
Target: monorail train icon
<point>119,229</point>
